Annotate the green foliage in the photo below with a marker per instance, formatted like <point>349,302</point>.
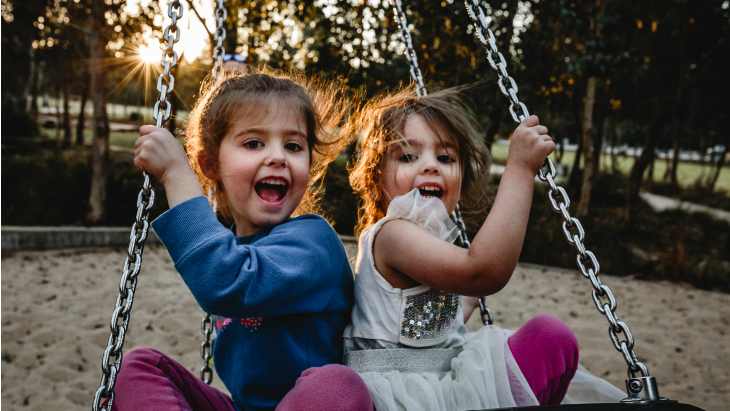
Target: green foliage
<point>672,245</point>
<point>52,188</point>
<point>15,124</point>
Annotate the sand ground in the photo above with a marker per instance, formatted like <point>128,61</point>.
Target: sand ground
<point>56,307</point>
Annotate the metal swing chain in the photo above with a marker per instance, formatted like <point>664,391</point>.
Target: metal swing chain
<point>573,230</point>
<point>412,58</point>
<point>220,36</point>
<point>112,359</point>
<point>206,324</point>
<point>405,36</point>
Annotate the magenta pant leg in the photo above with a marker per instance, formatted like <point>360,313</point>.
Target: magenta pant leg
<point>546,351</point>
<point>150,380</point>
<point>333,387</point>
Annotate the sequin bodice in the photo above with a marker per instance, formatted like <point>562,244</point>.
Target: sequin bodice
<point>429,314</point>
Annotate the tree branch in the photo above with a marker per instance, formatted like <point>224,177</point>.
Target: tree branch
<point>202,20</point>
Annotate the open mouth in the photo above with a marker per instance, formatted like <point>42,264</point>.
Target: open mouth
<point>431,191</point>
<point>272,189</point>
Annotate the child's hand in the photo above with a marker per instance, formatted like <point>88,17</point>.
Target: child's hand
<point>159,153</point>
<point>530,145</point>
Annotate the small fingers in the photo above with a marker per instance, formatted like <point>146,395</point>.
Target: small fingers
<point>550,146</point>
<point>530,121</point>
<point>541,130</point>
<point>144,130</point>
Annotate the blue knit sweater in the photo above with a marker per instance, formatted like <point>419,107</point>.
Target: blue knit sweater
<point>283,296</point>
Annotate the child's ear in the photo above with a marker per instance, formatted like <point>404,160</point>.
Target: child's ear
<point>208,168</point>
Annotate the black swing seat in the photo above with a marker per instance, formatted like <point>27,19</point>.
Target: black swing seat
<point>651,406</point>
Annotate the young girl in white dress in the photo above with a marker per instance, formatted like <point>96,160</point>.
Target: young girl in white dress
<point>418,158</point>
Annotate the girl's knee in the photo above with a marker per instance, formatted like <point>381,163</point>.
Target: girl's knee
<point>551,327</point>
<point>143,355</point>
<point>333,375</point>
<point>331,387</point>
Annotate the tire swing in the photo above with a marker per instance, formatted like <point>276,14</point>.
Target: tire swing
<point>642,390</point>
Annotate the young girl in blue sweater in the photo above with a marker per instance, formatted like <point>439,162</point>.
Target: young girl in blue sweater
<point>280,286</point>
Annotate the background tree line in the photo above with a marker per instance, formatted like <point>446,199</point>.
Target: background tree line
<point>649,74</point>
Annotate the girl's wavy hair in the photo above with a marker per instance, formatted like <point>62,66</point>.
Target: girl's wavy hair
<point>381,123</point>
<point>253,96</point>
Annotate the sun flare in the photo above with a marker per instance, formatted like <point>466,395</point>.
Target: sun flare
<point>151,53</point>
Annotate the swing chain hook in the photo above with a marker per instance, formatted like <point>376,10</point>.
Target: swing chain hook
<point>112,360</point>
<point>411,56</point>
<point>586,260</point>
<point>221,15</point>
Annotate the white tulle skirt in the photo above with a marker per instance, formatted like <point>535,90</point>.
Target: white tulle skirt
<point>484,375</point>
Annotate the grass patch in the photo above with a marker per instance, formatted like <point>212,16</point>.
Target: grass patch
<point>687,173</point>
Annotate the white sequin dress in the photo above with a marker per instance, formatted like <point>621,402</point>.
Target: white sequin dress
<point>483,375</point>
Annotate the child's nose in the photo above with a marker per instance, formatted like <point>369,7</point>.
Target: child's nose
<point>276,157</point>
<point>431,167</point>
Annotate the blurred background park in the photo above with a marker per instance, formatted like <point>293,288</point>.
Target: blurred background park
<point>634,93</point>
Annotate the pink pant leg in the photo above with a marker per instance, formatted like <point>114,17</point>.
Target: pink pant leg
<point>150,380</point>
<point>333,387</point>
<point>546,351</point>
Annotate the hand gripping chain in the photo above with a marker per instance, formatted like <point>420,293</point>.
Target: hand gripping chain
<point>112,360</point>
<point>573,230</point>
<point>412,58</point>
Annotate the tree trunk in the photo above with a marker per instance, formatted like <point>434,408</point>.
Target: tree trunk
<point>495,118</point>
<point>66,115</point>
<point>610,128</point>
<point>718,169</point>
<point>650,174</point>
<point>81,125</point>
<point>647,155</point>
<point>100,159</point>
<point>588,153</point>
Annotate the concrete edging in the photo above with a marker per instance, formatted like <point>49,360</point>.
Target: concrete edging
<point>19,238</point>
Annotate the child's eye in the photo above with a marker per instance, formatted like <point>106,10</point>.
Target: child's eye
<point>445,158</point>
<point>295,147</point>
<point>253,144</point>
<point>407,158</point>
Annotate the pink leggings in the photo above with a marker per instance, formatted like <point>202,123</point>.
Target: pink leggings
<point>545,350</point>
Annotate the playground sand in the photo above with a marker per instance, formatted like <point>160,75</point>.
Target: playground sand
<point>56,307</point>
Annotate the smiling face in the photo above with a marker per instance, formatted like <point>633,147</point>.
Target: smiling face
<point>263,166</point>
<point>422,161</point>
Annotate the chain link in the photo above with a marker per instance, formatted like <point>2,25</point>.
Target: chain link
<point>486,37</point>
<point>572,228</point>
<point>221,14</point>
<point>411,56</point>
<point>111,362</point>
<point>206,349</point>
<point>206,326</point>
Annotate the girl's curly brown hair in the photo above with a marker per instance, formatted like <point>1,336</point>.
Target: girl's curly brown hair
<point>240,97</point>
<point>381,123</point>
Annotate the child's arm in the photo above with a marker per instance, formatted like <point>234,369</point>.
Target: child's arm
<point>161,155</point>
<point>404,248</point>
<point>299,267</point>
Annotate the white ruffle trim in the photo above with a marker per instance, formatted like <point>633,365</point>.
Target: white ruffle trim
<point>429,213</point>
<point>484,375</point>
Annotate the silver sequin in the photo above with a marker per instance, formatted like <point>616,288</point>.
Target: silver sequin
<point>430,314</point>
